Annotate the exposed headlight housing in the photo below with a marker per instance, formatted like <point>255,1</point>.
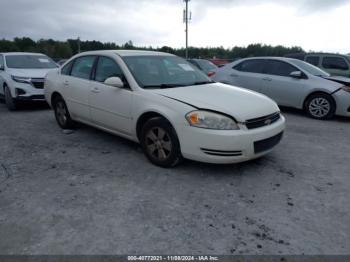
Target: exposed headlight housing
<point>346,88</point>
<point>21,79</point>
<point>211,120</point>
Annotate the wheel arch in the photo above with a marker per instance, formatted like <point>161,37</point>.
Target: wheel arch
<point>318,92</point>
<point>144,117</point>
<point>54,95</point>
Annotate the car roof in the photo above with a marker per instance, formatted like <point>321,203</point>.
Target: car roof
<point>270,57</point>
<point>126,53</point>
<point>20,53</point>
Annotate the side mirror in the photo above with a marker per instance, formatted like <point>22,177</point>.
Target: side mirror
<point>114,81</point>
<point>296,74</point>
<point>2,68</point>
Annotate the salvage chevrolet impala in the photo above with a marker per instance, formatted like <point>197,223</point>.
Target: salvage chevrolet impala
<point>166,104</point>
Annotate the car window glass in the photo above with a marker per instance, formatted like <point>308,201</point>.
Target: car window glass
<point>251,66</point>
<point>106,68</point>
<point>334,63</point>
<point>1,61</point>
<point>67,68</point>
<point>82,67</point>
<point>280,68</point>
<point>314,60</point>
<point>206,65</point>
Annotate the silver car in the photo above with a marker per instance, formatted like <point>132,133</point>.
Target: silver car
<point>290,82</point>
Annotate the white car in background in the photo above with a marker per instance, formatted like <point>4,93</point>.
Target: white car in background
<point>22,77</point>
<point>166,104</point>
<point>290,82</point>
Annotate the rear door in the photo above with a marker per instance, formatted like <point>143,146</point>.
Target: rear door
<point>248,74</point>
<point>282,88</point>
<point>336,65</point>
<point>77,85</point>
<point>110,106</point>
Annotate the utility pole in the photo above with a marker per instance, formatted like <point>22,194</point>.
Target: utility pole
<point>186,19</point>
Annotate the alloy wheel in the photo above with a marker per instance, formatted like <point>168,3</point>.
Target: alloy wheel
<point>61,112</point>
<point>319,107</point>
<point>158,143</point>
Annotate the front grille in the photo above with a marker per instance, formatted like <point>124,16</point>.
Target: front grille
<point>262,121</point>
<point>38,83</point>
<point>221,152</point>
<point>266,144</point>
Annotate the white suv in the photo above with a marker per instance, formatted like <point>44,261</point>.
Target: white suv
<point>166,104</point>
<point>22,77</point>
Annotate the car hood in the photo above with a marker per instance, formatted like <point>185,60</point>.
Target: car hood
<point>32,73</point>
<point>338,79</point>
<point>240,103</point>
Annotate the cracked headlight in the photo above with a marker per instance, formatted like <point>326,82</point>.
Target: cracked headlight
<point>211,120</point>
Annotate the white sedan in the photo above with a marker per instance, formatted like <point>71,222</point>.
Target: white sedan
<point>166,104</point>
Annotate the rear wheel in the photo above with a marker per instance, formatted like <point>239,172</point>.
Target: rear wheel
<point>320,106</point>
<point>9,101</point>
<point>160,143</point>
<point>62,114</point>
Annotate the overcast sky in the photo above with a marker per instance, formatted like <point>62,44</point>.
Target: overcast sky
<point>318,25</point>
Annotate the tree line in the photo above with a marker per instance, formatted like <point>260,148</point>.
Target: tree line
<point>65,49</point>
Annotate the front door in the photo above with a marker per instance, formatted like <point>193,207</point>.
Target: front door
<point>280,86</point>
<point>110,106</point>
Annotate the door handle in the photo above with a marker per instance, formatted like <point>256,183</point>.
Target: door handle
<point>233,75</point>
<point>267,79</point>
<point>95,90</point>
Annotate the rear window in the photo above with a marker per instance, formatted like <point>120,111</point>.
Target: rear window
<point>29,62</point>
<point>338,63</point>
<point>206,65</point>
<point>251,66</point>
<point>82,67</point>
<point>314,60</point>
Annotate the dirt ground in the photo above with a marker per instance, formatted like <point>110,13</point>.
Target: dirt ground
<point>89,192</point>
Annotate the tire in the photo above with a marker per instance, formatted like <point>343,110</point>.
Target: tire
<point>9,101</point>
<point>160,143</point>
<point>62,114</point>
<point>320,106</point>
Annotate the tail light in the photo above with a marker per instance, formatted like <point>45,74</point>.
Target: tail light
<point>211,73</point>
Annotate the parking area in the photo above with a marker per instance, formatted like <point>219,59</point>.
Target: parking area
<point>89,192</point>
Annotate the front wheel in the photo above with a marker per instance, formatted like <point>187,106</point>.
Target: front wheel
<point>320,106</point>
<point>160,143</point>
<point>62,114</point>
<point>9,101</point>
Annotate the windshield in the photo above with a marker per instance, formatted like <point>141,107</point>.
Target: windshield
<point>206,65</point>
<point>310,68</point>
<point>29,62</point>
<point>164,71</point>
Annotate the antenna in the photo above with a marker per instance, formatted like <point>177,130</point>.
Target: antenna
<point>186,19</point>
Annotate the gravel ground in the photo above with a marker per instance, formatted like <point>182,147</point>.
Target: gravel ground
<point>89,192</point>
